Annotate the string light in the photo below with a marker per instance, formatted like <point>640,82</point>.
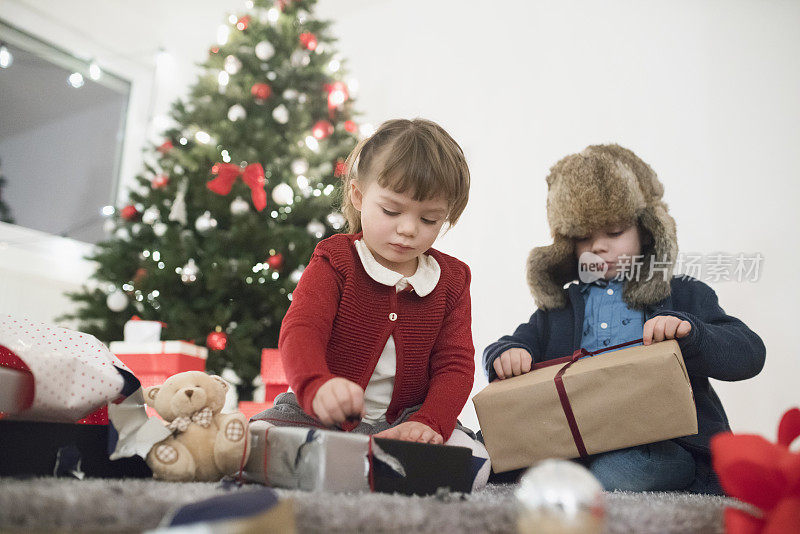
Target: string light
<point>95,73</point>
<point>76,80</point>
<point>6,58</point>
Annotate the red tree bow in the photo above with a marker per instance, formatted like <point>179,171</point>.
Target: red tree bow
<point>252,176</point>
<point>763,474</point>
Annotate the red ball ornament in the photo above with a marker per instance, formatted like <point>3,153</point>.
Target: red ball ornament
<point>350,126</point>
<point>275,262</point>
<point>322,129</point>
<point>340,168</point>
<point>217,340</point>
<point>159,181</point>
<point>165,147</point>
<point>129,213</point>
<point>242,23</point>
<point>308,40</point>
<point>214,50</point>
<point>260,91</point>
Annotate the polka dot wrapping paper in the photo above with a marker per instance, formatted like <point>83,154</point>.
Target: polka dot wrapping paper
<point>74,374</point>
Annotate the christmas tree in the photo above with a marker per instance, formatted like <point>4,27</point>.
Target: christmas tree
<point>5,211</point>
<point>231,204</point>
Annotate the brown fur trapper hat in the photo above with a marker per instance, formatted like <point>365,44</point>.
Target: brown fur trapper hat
<point>602,186</point>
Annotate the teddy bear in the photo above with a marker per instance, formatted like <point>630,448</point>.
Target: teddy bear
<point>205,444</point>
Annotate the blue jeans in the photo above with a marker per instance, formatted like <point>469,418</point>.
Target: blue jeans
<point>661,466</point>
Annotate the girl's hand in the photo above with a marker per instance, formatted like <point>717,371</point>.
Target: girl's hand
<point>512,362</point>
<point>337,400</point>
<point>412,431</point>
<point>665,327</point>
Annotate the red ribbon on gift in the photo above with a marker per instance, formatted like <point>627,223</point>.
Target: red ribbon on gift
<point>562,392</point>
<point>12,361</point>
<point>252,176</point>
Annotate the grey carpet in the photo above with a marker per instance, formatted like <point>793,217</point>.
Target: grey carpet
<point>48,504</point>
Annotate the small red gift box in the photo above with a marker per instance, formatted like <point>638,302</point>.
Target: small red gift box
<point>153,362</point>
<point>272,374</point>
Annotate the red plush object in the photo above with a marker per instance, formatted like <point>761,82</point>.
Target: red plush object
<point>761,473</point>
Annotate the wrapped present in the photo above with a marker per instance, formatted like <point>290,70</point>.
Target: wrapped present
<point>59,375</point>
<point>140,331</point>
<point>321,460</point>
<point>153,363</point>
<point>50,379</point>
<point>273,375</point>
<point>580,405</point>
<point>16,388</point>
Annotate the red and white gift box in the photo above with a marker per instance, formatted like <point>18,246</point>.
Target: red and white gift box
<point>153,362</point>
<point>54,374</point>
<point>274,379</point>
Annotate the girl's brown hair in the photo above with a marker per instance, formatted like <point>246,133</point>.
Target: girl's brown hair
<point>421,159</point>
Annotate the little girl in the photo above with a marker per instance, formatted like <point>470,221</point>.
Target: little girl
<point>378,336</point>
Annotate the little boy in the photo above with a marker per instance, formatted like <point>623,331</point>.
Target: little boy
<point>607,218</point>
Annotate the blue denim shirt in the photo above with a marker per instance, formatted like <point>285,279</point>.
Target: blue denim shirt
<point>607,320</point>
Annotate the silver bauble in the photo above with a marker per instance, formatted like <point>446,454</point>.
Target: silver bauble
<point>316,228</point>
<point>236,113</point>
<point>232,64</point>
<point>264,50</point>
<point>205,222</point>
<point>283,194</point>
<point>280,114</point>
<point>117,301</point>
<point>239,206</point>
<point>560,496</point>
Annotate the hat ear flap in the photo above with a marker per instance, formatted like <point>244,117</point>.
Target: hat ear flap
<point>651,283</point>
<point>549,269</point>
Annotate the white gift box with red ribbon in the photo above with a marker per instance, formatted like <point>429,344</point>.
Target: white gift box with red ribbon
<point>56,374</point>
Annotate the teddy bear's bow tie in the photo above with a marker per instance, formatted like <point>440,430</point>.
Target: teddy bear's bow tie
<point>202,418</point>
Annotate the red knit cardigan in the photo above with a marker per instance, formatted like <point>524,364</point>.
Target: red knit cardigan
<point>340,319</point>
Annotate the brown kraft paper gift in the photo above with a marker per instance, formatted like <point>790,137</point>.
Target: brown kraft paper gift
<point>619,399</point>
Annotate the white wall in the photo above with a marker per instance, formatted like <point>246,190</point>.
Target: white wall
<point>704,91</point>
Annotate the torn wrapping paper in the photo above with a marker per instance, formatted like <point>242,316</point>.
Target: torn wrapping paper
<point>308,459</point>
<point>322,460</point>
<point>136,432</point>
<point>604,402</point>
<point>73,374</point>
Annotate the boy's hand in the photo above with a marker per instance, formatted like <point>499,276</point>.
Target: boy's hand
<point>512,362</point>
<point>412,431</point>
<point>665,327</point>
<point>337,400</point>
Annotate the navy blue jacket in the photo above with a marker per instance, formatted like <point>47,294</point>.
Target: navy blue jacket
<point>719,346</point>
